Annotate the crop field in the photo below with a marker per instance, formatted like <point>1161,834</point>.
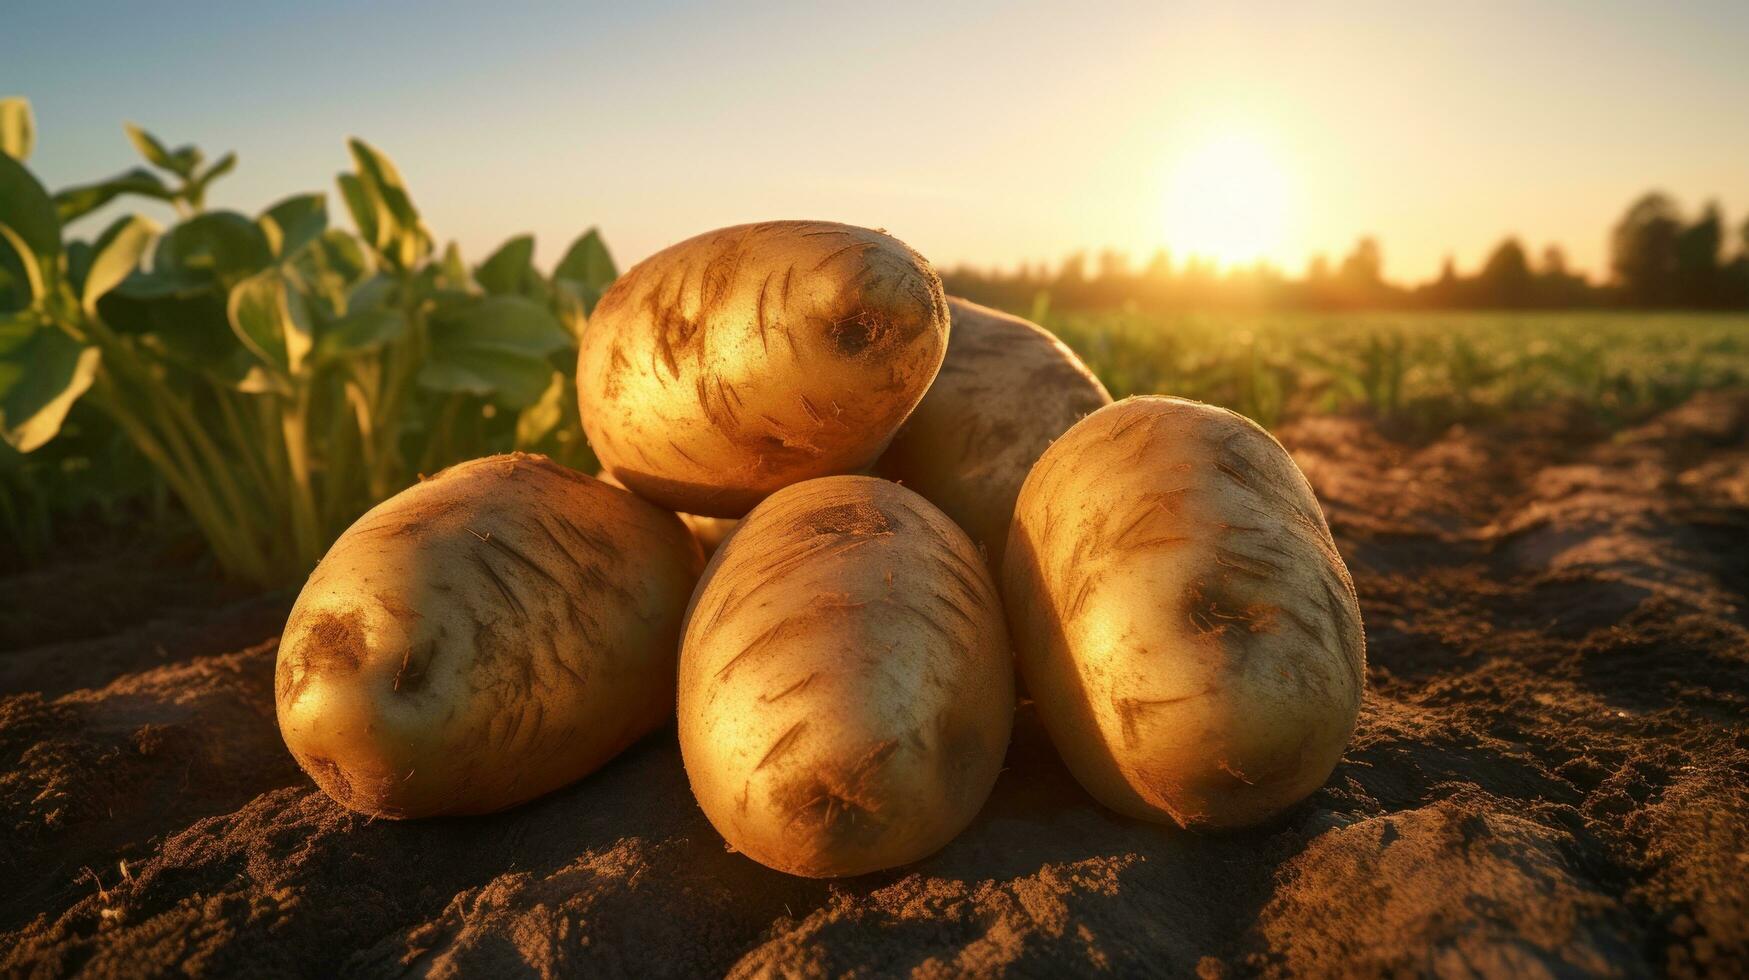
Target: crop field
<point>1418,371</point>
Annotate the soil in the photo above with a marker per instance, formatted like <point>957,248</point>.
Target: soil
<point>1550,777</point>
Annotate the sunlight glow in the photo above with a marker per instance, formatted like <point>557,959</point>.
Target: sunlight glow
<point>1226,200</point>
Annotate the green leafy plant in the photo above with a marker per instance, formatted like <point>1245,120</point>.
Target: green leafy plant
<point>1414,372</point>
<point>281,375</point>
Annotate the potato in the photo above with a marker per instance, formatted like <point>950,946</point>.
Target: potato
<point>744,360</point>
<point>1182,618</point>
<point>846,690</point>
<point>1005,390</point>
<point>710,531</point>
<point>482,638</point>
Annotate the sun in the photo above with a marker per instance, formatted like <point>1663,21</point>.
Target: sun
<point>1226,200</point>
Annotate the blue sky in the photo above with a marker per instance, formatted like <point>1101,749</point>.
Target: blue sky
<point>981,132</point>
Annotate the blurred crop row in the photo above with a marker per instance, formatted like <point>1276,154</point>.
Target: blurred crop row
<point>1415,372</point>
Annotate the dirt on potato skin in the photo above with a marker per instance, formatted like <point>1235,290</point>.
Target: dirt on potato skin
<point>1550,777</point>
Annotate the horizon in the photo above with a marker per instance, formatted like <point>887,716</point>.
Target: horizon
<point>1273,135</point>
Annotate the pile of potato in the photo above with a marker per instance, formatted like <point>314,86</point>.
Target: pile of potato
<point>844,667</point>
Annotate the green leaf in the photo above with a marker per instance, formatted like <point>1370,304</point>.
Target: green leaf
<point>181,161</point>
<point>493,346</point>
<point>572,302</point>
<point>73,202</point>
<point>451,272</point>
<point>197,185</point>
<point>364,330</point>
<point>373,293</point>
<point>223,244</point>
<point>505,271</point>
<point>27,209</point>
<point>509,323</point>
<point>405,240</point>
<point>17,129</point>
<point>149,147</point>
<point>331,266</point>
<point>368,213</point>
<point>581,277</point>
<point>379,173</point>
<point>221,167</point>
<point>588,262</point>
<point>272,319</point>
<point>20,263</point>
<point>511,378</point>
<point>77,262</point>
<point>115,257</point>
<point>294,222</point>
<point>449,299</point>
<point>15,290</point>
<point>16,329</point>
<point>342,254</point>
<point>186,160</point>
<point>180,315</point>
<point>540,419</point>
<point>160,283</point>
<point>40,379</point>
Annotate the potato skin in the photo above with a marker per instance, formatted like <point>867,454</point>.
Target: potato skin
<point>749,358</point>
<point>846,690</point>
<point>1005,390</point>
<point>1181,615</point>
<point>484,637</point>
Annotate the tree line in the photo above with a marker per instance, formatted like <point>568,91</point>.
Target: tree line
<point>1659,259</point>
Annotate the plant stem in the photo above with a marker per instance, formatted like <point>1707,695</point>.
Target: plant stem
<point>245,446</point>
<point>294,427</point>
<point>218,464</point>
<point>437,446</point>
<point>367,441</point>
<point>234,556</point>
<point>380,417</point>
<point>120,356</point>
<point>182,451</point>
<point>343,451</point>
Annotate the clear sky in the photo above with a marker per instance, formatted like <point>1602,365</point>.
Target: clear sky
<point>980,132</point>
